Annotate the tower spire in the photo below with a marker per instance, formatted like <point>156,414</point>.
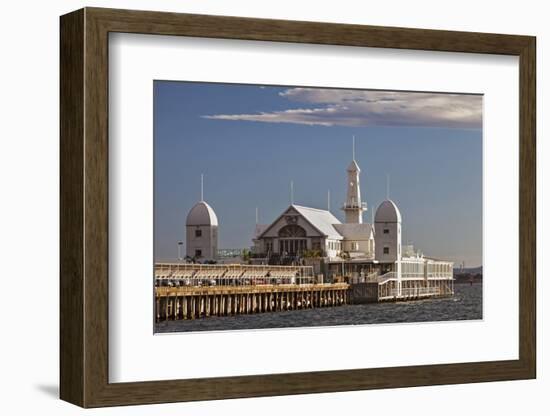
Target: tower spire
<point>291,192</point>
<point>202,186</point>
<point>353,207</point>
<point>328,200</point>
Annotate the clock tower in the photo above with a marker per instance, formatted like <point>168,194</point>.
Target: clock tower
<point>353,207</point>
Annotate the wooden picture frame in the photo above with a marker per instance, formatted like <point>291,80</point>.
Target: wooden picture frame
<point>84,207</point>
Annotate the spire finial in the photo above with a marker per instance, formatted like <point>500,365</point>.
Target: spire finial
<point>387,186</point>
<point>353,147</point>
<point>257,216</point>
<point>202,186</point>
<point>328,200</point>
<point>291,192</point>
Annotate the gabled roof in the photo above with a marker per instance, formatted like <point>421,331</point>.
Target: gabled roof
<point>259,230</point>
<point>362,231</point>
<point>319,219</point>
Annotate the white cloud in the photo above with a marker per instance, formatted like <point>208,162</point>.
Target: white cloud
<point>357,108</point>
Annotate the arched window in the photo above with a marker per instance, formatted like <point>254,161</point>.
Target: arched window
<point>292,231</point>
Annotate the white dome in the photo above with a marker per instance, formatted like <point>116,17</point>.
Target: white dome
<point>201,214</point>
<point>387,212</point>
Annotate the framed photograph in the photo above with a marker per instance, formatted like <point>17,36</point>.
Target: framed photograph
<point>255,207</point>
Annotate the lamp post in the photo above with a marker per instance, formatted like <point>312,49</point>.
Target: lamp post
<point>180,243</point>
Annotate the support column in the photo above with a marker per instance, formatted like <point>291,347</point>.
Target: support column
<point>192,307</point>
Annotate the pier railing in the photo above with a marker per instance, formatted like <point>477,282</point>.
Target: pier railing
<point>417,291</point>
<point>176,275</point>
<point>386,277</point>
<point>186,290</point>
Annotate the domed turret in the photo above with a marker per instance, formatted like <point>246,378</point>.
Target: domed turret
<point>387,212</point>
<point>387,229</point>
<point>202,232</point>
<point>202,214</point>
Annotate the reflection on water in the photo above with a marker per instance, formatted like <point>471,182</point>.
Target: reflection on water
<point>465,305</point>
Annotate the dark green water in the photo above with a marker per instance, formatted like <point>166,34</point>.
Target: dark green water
<point>465,305</point>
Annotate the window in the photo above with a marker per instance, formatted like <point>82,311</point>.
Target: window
<point>386,250</point>
<point>386,231</point>
<point>198,253</point>
<point>290,231</point>
<point>198,233</point>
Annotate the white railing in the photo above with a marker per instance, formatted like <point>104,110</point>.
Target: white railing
<point>355,205</point>
<point>440,275</point>
<point>387,276</point>
<point>416,291</point>
<point>412,275</point>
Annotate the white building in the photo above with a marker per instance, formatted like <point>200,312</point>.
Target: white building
<point>201,229</point>
<point>300,229</point>
<point>348,249</point>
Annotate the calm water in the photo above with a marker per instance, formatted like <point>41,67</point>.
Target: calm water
<point>465,305</point>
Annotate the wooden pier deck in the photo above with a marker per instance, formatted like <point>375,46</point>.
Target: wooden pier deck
<point>192,302</point>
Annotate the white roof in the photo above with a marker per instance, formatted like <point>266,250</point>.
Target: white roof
<point>202,214</point>
<point>321,219</point>
<point>355,231</point>
<point>387,212</point>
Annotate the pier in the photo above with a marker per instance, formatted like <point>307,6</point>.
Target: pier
<point>193,302</point>
<point>390,288</point>
<point>194,291</point>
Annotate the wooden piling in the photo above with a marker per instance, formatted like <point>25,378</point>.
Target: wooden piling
<point>190,302</point>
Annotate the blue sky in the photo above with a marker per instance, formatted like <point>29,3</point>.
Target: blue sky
<point>251,141</point>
